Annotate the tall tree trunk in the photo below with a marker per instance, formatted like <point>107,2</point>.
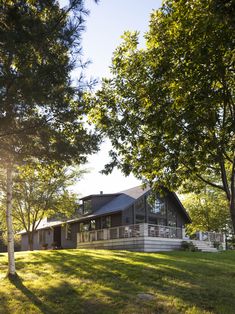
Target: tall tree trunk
<point>232,201</point>
<point>30,240</point>
<point>232,211</point>
<point>10,234</point>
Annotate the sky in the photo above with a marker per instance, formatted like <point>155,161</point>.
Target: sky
<point>104,26</point>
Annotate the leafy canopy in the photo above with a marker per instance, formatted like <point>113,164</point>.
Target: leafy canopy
<point>169,108</point>
<point>208,211</point>
<point>41,113</point>
<point>41,191</point>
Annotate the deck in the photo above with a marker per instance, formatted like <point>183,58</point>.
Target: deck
<point>142,237</point>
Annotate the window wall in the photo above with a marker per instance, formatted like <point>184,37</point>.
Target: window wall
<point>171,217</point>
<point>140,212</point>
<point>155,210</point>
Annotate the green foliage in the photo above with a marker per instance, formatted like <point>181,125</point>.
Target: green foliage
<point>188,246</point>
<point>42,191</point>
<point>208,211</point>
<point>218,245</point>
<point>231,243</point>
<point>169,108</point>
<point>41,113</point>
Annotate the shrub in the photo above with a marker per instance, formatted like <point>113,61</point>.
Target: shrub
<point>218,245</point>
<point>44,246</point>
<point>188,246</point>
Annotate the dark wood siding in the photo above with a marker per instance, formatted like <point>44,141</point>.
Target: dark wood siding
<point>69,243</point>
<point>116,220</point>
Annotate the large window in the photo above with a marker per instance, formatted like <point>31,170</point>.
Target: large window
<point>161,221</point>
<point>157,206</point>
<point>139,205</point>
<point>139,219</point>
<point>106,222</point>
<point>87,208</point>
<point>171,217</point>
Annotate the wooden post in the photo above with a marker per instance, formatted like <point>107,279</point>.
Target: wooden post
<point>95,235</point>
<point>143,230</point>
<point>10,233</point>
<point>117,232</point>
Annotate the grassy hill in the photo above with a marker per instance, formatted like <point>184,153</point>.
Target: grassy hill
<point>87,281</point>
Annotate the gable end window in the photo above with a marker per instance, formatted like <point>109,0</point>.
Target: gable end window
<point>157,206</point>
<point>140,206</point>
<point>172,217</point>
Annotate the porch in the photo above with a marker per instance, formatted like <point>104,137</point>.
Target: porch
<point>141,237</point>
<point>130,231</point>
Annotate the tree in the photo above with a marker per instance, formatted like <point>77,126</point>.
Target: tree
<point>169,108</point>
<point>208,210</point>
<point>41,113</point>
<point>42,191</point>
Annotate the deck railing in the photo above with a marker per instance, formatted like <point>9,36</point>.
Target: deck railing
<point>131,231</point>
<point>165,231</point>
<point>210,236</point>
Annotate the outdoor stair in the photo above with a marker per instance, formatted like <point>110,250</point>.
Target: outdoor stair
<point>204,246</point>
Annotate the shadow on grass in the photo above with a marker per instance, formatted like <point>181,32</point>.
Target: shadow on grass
<point>195,278</point>
<point>17,282</point>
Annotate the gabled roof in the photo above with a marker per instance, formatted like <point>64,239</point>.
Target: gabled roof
<point>45,224</point>
<point>121,201</point>
<point>101,194</point>
<point>125,199</point>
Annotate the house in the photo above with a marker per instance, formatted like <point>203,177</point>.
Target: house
<point>102,211</point>
<point>134,219</point>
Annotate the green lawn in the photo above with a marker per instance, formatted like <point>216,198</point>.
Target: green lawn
<point>89,281</point>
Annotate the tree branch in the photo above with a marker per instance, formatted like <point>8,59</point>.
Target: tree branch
<point>210,183</point>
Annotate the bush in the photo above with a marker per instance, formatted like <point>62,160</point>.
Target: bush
<point>44,246</point>
<point>218,245</point>
<point>231,243</point>
<point>188,246</point>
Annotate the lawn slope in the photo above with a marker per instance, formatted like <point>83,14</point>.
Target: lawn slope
<point>88,281</point>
